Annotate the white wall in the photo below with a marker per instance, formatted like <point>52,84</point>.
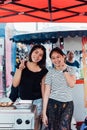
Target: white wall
<point>80,112</point>
<point>73,43</point>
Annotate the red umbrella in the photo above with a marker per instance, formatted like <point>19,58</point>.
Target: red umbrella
<point>43,11</point>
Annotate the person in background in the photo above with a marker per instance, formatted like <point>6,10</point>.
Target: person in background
<point>28,80</point>
<point>70,60</point>
<point>57,101</point>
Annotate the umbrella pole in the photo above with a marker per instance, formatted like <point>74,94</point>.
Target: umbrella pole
<point>50,9</point>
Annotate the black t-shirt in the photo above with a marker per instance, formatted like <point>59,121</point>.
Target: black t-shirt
<point>30,85</point>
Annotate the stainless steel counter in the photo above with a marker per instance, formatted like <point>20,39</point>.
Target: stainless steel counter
<point>12,119</point>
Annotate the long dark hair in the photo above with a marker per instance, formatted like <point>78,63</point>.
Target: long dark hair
<point>41,63</point>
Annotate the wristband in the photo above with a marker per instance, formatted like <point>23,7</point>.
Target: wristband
<point>65,70</point>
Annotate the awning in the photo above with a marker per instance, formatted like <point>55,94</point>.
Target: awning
<point>44,36</point>
<point>43,11</point>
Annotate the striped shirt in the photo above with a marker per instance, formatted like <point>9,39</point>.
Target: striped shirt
<point>60,90</point>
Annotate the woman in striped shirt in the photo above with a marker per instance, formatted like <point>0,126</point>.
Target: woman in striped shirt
<point>57,102</point>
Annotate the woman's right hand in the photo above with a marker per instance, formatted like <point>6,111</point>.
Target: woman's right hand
<point>22,64</point>
<point>45,120</point>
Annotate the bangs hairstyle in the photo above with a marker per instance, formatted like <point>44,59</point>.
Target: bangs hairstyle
<point>57,50</point>
<point>42,62</point>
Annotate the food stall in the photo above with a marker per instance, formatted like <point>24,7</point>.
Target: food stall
<point>67,40</point>
<point>49,40</point>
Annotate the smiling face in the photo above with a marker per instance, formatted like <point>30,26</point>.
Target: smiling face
<point>37,55</point>
<point>57,59</point>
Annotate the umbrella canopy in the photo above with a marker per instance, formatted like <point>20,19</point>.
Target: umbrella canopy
<point>43,11</point>
<point>42,37</point>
